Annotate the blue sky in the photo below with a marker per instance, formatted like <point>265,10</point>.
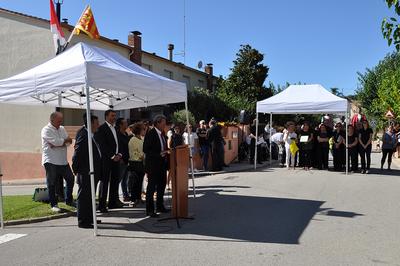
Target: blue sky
<point>309,41</point>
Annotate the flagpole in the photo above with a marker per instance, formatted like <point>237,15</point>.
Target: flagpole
<point>72,33</point>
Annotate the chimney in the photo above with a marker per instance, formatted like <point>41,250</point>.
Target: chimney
<point>209,70</point>
<point>135,41</point>
<point>170,51</point>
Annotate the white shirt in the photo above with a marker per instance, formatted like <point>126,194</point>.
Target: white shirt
<point>54,150</point>
<point>160,137</point>
<point>114,132</point>
<point>288,138</point>
<point>189,139</point>
<point>277,137</point>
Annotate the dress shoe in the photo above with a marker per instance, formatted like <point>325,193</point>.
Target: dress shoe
<point>103,210</point>
<point>116,205</point>
<point>163,210</point>
<point>152,214</point>
<point>86,226</point>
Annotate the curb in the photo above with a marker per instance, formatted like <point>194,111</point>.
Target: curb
<point>40,219</point>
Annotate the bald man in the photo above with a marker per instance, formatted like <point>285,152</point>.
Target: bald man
<point>54,159</point>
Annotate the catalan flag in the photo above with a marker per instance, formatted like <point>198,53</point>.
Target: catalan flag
<point>55,28</point>
<point>87,24</point>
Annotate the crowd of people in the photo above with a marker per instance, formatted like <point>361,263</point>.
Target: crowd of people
<point>123,155</point>
<point>307,147</point>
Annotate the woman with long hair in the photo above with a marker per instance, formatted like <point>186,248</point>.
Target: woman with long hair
<point>352,147</point>
<point>323,148</point>
<point>136,167</point>
<point>365,140</point>
<point>338,149</point>
<point>305,146</point>
<point>388,146</point>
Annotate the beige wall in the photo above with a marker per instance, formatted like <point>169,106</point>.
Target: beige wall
<point>158,66</point>
<point>20,127</point>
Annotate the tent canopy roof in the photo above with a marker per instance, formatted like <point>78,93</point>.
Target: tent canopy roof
<point>303,99</point>
<point>114,81</point>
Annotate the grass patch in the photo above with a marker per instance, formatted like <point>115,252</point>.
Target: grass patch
<point>23,207</point>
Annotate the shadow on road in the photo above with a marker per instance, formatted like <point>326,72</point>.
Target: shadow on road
<point>230,217</point>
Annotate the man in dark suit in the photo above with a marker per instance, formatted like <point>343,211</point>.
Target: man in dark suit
<point>80,166</point>
<point>216,141</point>
<point>156,165</point>
<point>106,136</point>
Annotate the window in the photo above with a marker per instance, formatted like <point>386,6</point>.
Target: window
<point>168,74</point>
<point>201,83</point>
<point>148,67</point>
<point>186,79</point>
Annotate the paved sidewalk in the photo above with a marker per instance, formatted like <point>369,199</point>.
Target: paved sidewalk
<point>271,216</point>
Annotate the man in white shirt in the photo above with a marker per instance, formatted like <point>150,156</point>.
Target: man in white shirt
<point>54,159</point>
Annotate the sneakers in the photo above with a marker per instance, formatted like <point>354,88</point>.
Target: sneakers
<point>55,209</point>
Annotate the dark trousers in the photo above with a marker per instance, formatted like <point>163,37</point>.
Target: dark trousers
<point>274,151</point>
<point>253,150</point>
<point>283,159</point>
<point>217,155</point>
<point>84,210</point>
<point>204,150</point>
<point>124,177</point>
<point>305,158</point>
<point>365,157</point>
<point>136,175</point>
<point>111,177</point>
<point>323,157</point>
<point>338,159</point>
<point>353,159</point>
<point>157,180</point>
<point>385,153</point>
<point>55,173</point>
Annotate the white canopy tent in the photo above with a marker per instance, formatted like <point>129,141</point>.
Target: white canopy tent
<point>302,99</point>
<point>89,77</point>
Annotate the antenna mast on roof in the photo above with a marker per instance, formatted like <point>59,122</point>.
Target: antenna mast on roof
<point>184,32</point>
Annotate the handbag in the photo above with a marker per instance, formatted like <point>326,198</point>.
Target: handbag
<point>41,195</point>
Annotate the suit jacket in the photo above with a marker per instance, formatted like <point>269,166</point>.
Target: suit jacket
<point>80,159</point>
<point>153,161</point>
<point>214,135</point>
<point>106,140</point>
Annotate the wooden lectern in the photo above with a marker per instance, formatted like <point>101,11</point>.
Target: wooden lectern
<point>179,164</point>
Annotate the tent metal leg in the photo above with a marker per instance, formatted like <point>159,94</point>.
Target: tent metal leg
<point>270,141</point>
<point>91,166</point>
<point>255,150</point>
<point>347,142</point>
<point>190,152</point>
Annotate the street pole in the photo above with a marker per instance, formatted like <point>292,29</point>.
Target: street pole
<point>255,150</point>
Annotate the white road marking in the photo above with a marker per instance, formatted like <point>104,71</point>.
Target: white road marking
<point>9,237</point>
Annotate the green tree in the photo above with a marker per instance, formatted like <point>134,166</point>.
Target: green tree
<point>391,27</point>
<point>245,85</point>
<point>337,92</point>
<point>380,88</point>
<point>179,117</point>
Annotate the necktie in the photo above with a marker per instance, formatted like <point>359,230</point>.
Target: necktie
<point>164,144</point>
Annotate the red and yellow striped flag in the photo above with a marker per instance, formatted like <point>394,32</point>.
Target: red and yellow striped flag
<point>87,24</point>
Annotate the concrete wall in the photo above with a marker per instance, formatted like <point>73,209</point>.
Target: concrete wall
<point>178,72</point>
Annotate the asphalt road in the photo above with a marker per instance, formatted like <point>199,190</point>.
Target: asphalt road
<point>268,217</point>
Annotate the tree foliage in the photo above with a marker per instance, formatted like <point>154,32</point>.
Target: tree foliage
<point>179,117</point>
<point>245,85</point>
<point>391,27</point>
<point>380,88</point>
